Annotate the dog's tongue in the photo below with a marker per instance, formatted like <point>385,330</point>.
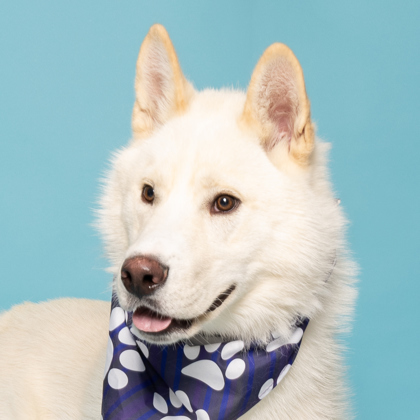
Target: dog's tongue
<point>149,321</point>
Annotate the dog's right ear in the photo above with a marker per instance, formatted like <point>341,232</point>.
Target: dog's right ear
<point>161,89</point>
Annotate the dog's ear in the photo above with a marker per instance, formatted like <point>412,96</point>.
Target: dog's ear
<point>161,89</point>
<point>277,107</point>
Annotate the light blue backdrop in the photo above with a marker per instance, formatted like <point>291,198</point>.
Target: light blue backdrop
<point>66,93</point>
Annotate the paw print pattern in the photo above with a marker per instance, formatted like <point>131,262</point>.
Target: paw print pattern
<point>177,399</point>
<point>208,371</point>
<point>181,382</point>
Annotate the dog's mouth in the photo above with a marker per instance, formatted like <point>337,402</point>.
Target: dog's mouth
<point>152,323</point>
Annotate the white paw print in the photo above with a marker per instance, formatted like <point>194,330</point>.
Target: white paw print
<point>206,371</point>
<point>280,341</point>
<point>177,399</point>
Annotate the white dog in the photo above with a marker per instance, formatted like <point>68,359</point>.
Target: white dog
<point>219,220</point>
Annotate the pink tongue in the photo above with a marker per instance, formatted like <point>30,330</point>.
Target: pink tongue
<point>148,323</point>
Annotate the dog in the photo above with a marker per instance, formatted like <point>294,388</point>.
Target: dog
<point>218,219</point>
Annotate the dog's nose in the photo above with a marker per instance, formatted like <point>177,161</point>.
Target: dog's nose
<point>143,275</point>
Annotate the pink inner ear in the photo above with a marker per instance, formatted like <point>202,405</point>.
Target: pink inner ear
<point>282,114</point>
<point>279,97</point>
<point>157,79</point>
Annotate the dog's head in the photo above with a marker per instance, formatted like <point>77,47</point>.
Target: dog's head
<point>218,217</point>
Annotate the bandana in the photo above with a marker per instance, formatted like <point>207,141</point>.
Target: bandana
<point>213,381</point>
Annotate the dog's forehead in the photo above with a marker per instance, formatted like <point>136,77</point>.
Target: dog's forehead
<point>202,147</point>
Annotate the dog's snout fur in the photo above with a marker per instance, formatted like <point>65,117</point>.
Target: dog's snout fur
<point>142,275</point>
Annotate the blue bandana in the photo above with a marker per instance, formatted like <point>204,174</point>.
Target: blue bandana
<point>181,382</point>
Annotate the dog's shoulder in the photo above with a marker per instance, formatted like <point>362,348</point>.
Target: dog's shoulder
<point>53,317</point>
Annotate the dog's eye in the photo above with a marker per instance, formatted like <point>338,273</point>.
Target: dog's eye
<point>148,194</point>
<point>224,203</point>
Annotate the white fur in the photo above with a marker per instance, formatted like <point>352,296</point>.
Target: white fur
<point>277,248</point>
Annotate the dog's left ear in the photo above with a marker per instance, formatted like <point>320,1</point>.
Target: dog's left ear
<point>277,107</point>
<point>162,91</point>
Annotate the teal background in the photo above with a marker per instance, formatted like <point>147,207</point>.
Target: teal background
<point>66,93</point>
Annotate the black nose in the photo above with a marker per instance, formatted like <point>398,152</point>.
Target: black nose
<point>143,275</point>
